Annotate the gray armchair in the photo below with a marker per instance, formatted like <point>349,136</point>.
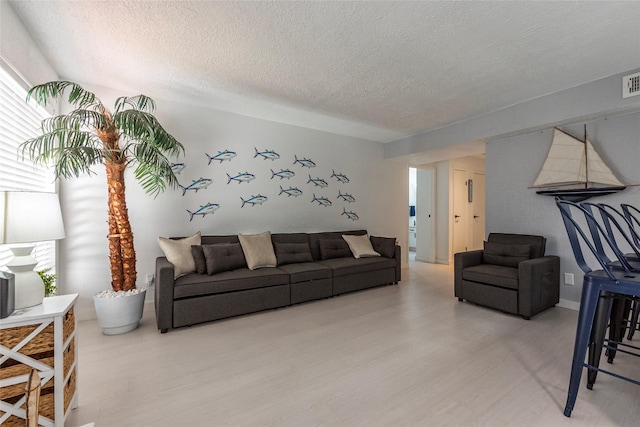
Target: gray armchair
<point>511,274</point>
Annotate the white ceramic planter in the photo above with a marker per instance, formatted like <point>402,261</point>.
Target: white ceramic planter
<point>119,314</point>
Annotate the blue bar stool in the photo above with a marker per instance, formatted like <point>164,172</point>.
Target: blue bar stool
<point>597,288</point>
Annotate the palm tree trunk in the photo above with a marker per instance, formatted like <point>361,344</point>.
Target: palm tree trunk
<point>122,255</point>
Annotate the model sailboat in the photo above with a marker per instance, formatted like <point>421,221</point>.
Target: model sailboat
<point>575,171</point>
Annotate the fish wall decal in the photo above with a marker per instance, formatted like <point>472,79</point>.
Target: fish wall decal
<point>346,197</point>
<point>254,200</point>
<point>241,177</point>
<point>322,201</point>
<point>204,210</point>
<point>305,163</point>
<point>221,156</point>
<point>291,191</point>
<point>351,215</point>
<point>196,185</point>
<point>177,168</point>
<point>318,182</point>
<point>284,173</point>
<point>266,154</point>
<point>340,177</point>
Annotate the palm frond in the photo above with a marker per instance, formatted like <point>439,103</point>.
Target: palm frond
<point>63,149</point>
<point>138,102</point>
<point>139,125</point>
<point>153,169</point>
<point>75,120</point>
<point>78,96</point>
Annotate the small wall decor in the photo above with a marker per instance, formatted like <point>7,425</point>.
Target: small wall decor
<point>254,200</point>
<point>196,185</point>
<point>350,214</point>
<point>340,177</point>
<point>318,182</point>
<point>305,163</point>
<point>470,190</point>
<point>177,168</point>
<point>322,201</point>
<point>241,177</point>
<point>266,154</point>
<point>291,191</point>
<point>284,173</point>
<point>203,210</point>
<point>222,156</point>
<point>346,197</point>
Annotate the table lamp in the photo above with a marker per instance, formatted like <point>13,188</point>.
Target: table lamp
<point>27,217</point>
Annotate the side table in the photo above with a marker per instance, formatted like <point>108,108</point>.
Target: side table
<point>41,337</point>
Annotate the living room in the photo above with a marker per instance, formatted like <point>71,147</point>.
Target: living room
<point>515,137</point>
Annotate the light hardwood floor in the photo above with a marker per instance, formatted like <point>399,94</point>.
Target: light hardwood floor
<point>392,356</point>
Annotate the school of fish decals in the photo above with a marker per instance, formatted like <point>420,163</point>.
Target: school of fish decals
<point>245,178</point>
<point>267,154</point>
<point>241,177</point>
<point>291,191</point>
<point>203,210</point>
<point>198,184</point>
<point>254,200</point>
<point>221,156</point>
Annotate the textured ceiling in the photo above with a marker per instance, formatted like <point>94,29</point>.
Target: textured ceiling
<point>376,70</point>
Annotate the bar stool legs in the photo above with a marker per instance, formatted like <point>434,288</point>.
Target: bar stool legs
<point>590,296</point>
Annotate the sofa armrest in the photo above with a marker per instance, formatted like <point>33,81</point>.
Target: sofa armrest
<point>462,260</point>
<point>538,284</point>
<point>163,296</point>
<point>398,257</point>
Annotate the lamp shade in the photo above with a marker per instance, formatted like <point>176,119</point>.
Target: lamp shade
<point>29,216</point>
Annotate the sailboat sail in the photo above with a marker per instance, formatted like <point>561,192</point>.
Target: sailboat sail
<point>573,167</point>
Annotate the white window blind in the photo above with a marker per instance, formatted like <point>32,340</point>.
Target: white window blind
<point>20,121</point>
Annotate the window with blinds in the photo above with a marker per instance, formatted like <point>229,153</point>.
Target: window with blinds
<point>20,121</point>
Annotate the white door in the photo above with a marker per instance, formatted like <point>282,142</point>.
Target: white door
<point>460,218</point>
<point>478,221</point>
<point>425,221</point>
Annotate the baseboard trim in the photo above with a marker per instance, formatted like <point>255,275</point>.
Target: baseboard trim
<point>571,305</point>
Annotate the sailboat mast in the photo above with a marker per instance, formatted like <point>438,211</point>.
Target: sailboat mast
<point>586,160</point>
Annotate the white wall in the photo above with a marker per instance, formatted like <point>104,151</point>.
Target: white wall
<point>513,164</point>
<point>380,188</point>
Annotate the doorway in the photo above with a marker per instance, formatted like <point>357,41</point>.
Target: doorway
<point>422,197</point>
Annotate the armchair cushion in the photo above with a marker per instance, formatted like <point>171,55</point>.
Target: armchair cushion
<point>496,275</point>
<point>507,255</point>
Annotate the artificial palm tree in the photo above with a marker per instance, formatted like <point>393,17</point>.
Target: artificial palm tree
<point>91,134</point>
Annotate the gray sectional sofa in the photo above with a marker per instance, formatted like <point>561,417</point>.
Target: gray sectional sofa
<point>310,266</point>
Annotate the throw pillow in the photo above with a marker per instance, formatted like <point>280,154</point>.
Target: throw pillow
<point>360,246</point>
<point>223,257</point>
<point>291,253</point>
<point>198,257</point>
<point>178,252</point>
<point>333,248</point>
<point>507,255</point>
<point>258,250</point>
<point>385,246</point>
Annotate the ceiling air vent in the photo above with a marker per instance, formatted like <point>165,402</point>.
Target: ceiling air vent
<point>631,85</point>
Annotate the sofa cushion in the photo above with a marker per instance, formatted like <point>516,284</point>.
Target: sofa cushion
<point>507,255</point>
<point>178,252</point>
<point>497,275</point>
<point>333,248</point>
<point>291,253</point>
<point>350,265</point>
<point>258,250</point>
<point>303,272</point>
<point>360,246</point>
<point>385,246</point>
<point>314,240</point>
<point>223,257</point>
<point>200,260</point>
<point>193,285</point>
